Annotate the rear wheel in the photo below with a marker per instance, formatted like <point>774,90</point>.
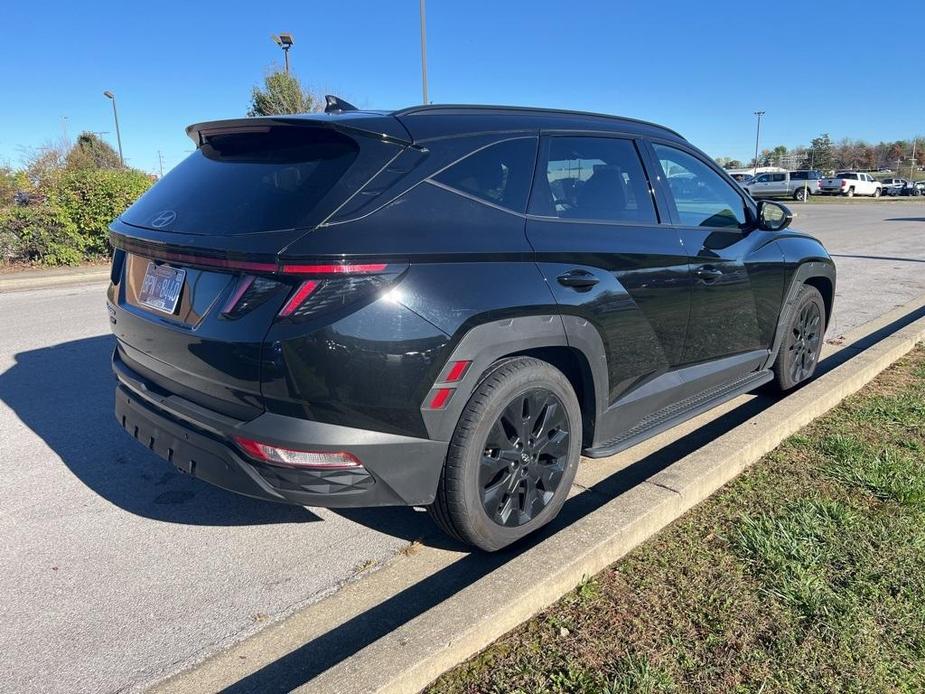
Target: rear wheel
<point>799,350</point>
<point>513,455</point>
<point>800,194</point>
<point>850,192</point>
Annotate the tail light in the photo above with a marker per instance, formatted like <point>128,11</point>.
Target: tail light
<point>249,292</point>
<point>292,458</point>
<point>330,286</point>
<point>844,183</point>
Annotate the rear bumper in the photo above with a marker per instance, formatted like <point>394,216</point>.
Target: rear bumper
<point>397,470</point>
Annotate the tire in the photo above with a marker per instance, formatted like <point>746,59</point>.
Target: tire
<point>877,192</point>
<point>497,462</point>
<point>801,194</point>
<point>799,350</point>
<point>850,192</point>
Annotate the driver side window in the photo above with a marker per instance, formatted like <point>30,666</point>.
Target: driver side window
<point>701,196</point>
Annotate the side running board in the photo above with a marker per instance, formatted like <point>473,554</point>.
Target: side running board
<point>674,414</point>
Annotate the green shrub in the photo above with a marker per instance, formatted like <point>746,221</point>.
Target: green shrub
<point>92,198</point>
<point>40,232</point>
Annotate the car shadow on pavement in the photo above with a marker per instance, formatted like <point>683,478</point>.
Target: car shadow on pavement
<point>314,657</point>
<point>65,395</point>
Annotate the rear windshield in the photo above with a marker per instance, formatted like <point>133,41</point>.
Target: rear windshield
<point>237,183</point>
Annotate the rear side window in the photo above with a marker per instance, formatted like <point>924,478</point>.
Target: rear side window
<point>702,197</point>
<point>499,174</point>
<point>777,178</point>
<point>238,183</point>
<point>798,176</point>
<point>594,178</point>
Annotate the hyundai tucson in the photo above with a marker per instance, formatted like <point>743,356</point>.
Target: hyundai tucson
<point>446,306</point>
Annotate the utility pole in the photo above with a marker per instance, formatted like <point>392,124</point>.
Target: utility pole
<point>424,50</point>
<point>160,162</point>
<point>64,128</point>
<point>912,168</point>
<point>109,95</point>
<point>757,133</point>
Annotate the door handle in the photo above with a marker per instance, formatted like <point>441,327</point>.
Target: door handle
<point>708,273</point>
<point>577,279</point>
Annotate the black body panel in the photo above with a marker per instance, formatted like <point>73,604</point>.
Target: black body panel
<point>653,318</point>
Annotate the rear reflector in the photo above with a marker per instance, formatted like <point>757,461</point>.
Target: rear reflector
<point>287,457</point>
<point>441,398</point>
<point>457,371</point>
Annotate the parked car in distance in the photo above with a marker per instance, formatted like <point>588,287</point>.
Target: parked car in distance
<point>445,306</point>
<point>741,177</point>
<point>851,183</point>
<point>792,184</point>
<point>911,189</point>
<point>920,186</point>
<point>892,186</point>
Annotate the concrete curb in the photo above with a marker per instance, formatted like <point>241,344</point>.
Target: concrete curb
<point>421,650</point>
<point>476,598</point>
<point>40,279</point>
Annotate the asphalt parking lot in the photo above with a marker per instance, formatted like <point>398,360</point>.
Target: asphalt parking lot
<point>118,570</point>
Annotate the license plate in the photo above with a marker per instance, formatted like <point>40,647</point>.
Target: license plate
<point>161,287</point>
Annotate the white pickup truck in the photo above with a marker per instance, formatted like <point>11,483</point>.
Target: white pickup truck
<point>851,183</point>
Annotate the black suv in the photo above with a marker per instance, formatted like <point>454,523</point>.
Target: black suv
<point>445,306</point>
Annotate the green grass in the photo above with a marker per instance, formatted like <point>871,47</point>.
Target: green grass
<point>805,574</point>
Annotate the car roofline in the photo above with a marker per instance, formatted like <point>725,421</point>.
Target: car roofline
<point>434,108</point>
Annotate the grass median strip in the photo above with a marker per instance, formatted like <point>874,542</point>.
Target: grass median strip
<point>806,573</point>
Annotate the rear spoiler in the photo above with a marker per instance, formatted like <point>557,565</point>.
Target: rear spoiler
<point>381,126</point>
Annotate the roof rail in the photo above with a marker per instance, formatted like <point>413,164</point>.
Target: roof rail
<point>424,108</point>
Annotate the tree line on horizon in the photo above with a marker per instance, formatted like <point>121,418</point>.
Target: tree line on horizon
<point>846,154</point>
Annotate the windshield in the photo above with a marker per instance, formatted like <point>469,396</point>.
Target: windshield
<point>237,183</point>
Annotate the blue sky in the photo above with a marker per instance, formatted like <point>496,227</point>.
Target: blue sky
<point>700,67</point>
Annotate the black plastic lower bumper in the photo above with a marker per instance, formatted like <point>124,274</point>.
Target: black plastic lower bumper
<point>397,470</point>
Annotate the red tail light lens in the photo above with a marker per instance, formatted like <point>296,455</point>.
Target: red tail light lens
<point>249,293</point>
<point>291,458</point>
<point>301,294</point>
<point>335,285</point>
<point>334,269</point>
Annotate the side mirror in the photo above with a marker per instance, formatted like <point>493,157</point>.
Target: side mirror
<point>772,216</point>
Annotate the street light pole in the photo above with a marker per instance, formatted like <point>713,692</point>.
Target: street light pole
<point>424,50</point>
<point>285,42</point>
<point>115,114</point>
<point>757,133</point>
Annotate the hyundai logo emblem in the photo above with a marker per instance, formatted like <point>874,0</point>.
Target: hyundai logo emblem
<point>163,218</point>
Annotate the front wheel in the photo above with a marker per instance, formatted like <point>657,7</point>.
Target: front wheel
<point>799,350</point>
<point>513,456</point>
<point>877,192</point>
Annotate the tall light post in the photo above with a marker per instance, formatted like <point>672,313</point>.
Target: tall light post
<point>424,49</point>
<point>285,42</point>
<point>115,114</point>
<point>757,134</point>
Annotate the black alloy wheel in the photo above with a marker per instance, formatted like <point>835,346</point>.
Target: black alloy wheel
<point>804,347</point>
<point>801,343</point>
<point>513,456</point>
<point>525,457</point>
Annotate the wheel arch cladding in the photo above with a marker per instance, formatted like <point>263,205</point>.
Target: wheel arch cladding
<point>827,289</point>
<point>539,336</point>
<point>813,273</point>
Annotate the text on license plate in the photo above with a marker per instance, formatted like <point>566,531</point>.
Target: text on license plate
<point>161,287</point>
